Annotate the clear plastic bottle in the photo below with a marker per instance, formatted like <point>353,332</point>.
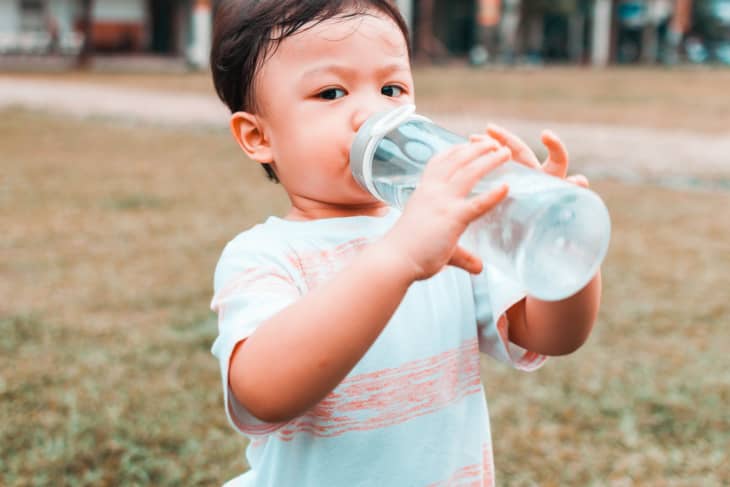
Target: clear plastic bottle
<point>548,234</point>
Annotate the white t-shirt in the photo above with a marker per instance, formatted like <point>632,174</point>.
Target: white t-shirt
<point>412,412</point>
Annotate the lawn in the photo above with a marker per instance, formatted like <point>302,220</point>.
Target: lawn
<point>110,235</point>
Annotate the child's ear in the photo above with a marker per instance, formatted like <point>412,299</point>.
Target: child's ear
<point>249,134</point>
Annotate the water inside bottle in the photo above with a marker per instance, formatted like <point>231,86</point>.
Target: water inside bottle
<point>396,189</point>
<point>546,234</point>
<point>566,248</point>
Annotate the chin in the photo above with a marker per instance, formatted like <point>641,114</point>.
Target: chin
<point>363,197</point>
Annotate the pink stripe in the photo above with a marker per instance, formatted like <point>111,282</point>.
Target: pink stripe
<point>271,280</point>
<point>253,429</point>
<point>474,475</point>
<point>393,396</point>
<point>258,441</point>
<point>319,266</point>
<point>314,267</point>
<point>488,463</point>
<point>254,281</point>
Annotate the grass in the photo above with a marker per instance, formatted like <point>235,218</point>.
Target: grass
<point>645,399</point>
<point>687,98</point>
<point>107,258</point>
<point>110,236</point>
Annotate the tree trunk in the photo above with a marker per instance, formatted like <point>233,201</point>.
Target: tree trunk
<point>87,22</point>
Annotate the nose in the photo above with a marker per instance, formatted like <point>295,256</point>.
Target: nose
<point>359,116</point>
<point>367,104</point>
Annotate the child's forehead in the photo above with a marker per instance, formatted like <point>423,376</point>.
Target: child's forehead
<point>344,36</point>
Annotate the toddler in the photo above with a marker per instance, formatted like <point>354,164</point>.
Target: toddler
<point>349,332</point>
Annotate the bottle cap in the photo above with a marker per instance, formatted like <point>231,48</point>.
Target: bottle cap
<point>367,138</point>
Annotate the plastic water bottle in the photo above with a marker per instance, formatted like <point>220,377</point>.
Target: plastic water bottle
<point>547,234</point>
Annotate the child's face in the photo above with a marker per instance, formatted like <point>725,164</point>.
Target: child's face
<point>315,92</point>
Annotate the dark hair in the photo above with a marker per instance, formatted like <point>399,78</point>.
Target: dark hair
<point>246,32</point>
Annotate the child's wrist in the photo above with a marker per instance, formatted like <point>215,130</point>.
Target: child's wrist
<point>392,263</point>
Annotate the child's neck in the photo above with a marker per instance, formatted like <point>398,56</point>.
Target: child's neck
<point>297,213</point>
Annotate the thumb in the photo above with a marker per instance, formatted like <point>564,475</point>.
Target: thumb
<point>556,163</point>
<point>464,259</point>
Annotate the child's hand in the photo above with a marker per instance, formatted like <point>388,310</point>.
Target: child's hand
<point>556,163</point>
<point>426,236</point>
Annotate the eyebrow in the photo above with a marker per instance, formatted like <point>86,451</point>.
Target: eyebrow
<point>343,70</point>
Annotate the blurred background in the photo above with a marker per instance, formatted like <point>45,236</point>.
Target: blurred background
<point>120,185</point>
<point>596,32</point>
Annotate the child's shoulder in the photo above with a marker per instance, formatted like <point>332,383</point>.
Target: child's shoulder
<point>272,238</point>
<point>260,238</point>
<point>277,236</point>
<point>261,246</point>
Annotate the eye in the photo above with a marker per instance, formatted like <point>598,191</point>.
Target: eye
<point>332,94</point>
<point>391,90</point>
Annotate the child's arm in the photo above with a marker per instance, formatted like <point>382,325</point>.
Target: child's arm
<point>555,327</point>
<point>294,359</point>
<point>549,327</point>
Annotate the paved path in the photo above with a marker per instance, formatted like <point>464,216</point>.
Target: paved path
<point>670,157</point>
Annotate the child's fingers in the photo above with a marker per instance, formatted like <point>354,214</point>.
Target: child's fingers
<point>446,162</point>
<point>467,154</point>
<point>482,137</point>
<point>556,163</point>
<point>464,259</point>
<point>477,206</point>
<point>521,152</point>
<point>465,179</point>
<point>579,180</point>
<point>438,166</point>
<point>481,204</point>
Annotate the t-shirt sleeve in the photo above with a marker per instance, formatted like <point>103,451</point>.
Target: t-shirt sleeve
<point>251,285</point>
<point>494,294</point>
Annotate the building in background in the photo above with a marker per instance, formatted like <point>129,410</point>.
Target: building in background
<point>177,28</point>
<point>597,32</point>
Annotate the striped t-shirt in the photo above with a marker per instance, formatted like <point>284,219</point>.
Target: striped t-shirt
<point>412,412</point>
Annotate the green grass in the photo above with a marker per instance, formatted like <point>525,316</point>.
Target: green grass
<point>95,410</point>
<point>644,399</point>
<point>105,372</point>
